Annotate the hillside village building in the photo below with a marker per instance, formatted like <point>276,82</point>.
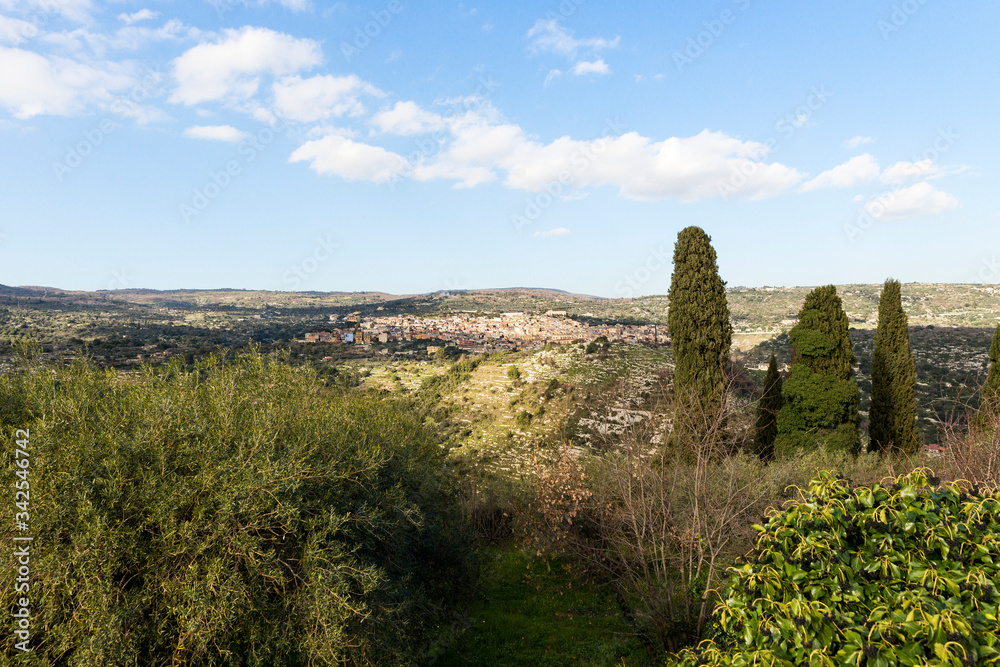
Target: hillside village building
<point>480,333</point>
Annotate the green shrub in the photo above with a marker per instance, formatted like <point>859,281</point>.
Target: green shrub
<point>897,574</point>
<point>237,514</point>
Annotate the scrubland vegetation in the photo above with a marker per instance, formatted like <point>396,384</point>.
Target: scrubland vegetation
<point>593,503</point>
<point>252,511</point>
<point>235,513</point>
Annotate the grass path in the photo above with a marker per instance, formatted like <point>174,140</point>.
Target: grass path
<point>531,615</point>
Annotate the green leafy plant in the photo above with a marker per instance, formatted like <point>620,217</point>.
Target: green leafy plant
<point>235,514</point>
<point>900,573</point>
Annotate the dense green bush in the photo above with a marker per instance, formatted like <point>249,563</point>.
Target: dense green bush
<point>897,574</point>
<point>235,514</point>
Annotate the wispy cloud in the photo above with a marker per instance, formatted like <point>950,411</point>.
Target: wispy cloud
<point>550,36</point>
<point>558,231</point>
<point>918,199</point>
<point>596,67</point>
<point>859,169</point>
<point>226,133</point>
<point>135,17</point>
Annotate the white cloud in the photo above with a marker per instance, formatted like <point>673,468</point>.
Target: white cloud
<point>859,169</point>
<point>320,97</point>
<point>294,5</point>
<point>550,36</point>
<point>407,118</point>
<point>558,231</point>
<point>918,199</point>
<point>551,76</point>
<point>74,10</point>
<point>135,37</point>
<point>465,175</point>
<point>135,17</point>
<point>32,85</point>
<point>348,159</point>
<point>859,140</point>
<point>228,68</point>
<point>15,31</point>
<point>597,67</point>
<point>323,130</point>
<point>904,171</point>
<point>482,147</point>
<point>78,41</point>
<point>216,133</point>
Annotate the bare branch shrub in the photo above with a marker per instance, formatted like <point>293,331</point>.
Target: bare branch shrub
<point>672,505</point>
<point>561,493</point>
<point>972,445</point>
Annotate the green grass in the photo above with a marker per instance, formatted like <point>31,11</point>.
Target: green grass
<point>530,614</point>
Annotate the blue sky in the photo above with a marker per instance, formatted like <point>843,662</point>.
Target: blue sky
<point>412,147</point>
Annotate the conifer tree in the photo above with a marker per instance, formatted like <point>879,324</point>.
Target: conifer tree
<point>771,402</point>
<point>821,397</point>
<point>698,318</point>
<point>991,390</point>
<point>893,414</point>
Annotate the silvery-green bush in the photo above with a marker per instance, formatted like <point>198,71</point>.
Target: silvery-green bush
<point>239,513</point>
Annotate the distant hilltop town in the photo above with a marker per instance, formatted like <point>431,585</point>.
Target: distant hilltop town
<point>478,333</point>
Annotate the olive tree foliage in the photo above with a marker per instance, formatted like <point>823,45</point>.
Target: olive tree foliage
<point>232,514</point>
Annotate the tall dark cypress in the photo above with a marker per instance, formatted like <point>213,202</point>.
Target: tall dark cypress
<point>821,397</point>
<point>698,318</point>
<point>771,402</point>
<point>991,390</point>
<point>893,414</point>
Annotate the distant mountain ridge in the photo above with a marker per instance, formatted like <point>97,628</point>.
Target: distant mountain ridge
<point>753,309</point>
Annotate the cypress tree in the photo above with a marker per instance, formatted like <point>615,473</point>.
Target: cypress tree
<point>893,414</point>
<point>991,390</point>
<point>698,318</point>
<point>771,402</point>
<point>821,397</point>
